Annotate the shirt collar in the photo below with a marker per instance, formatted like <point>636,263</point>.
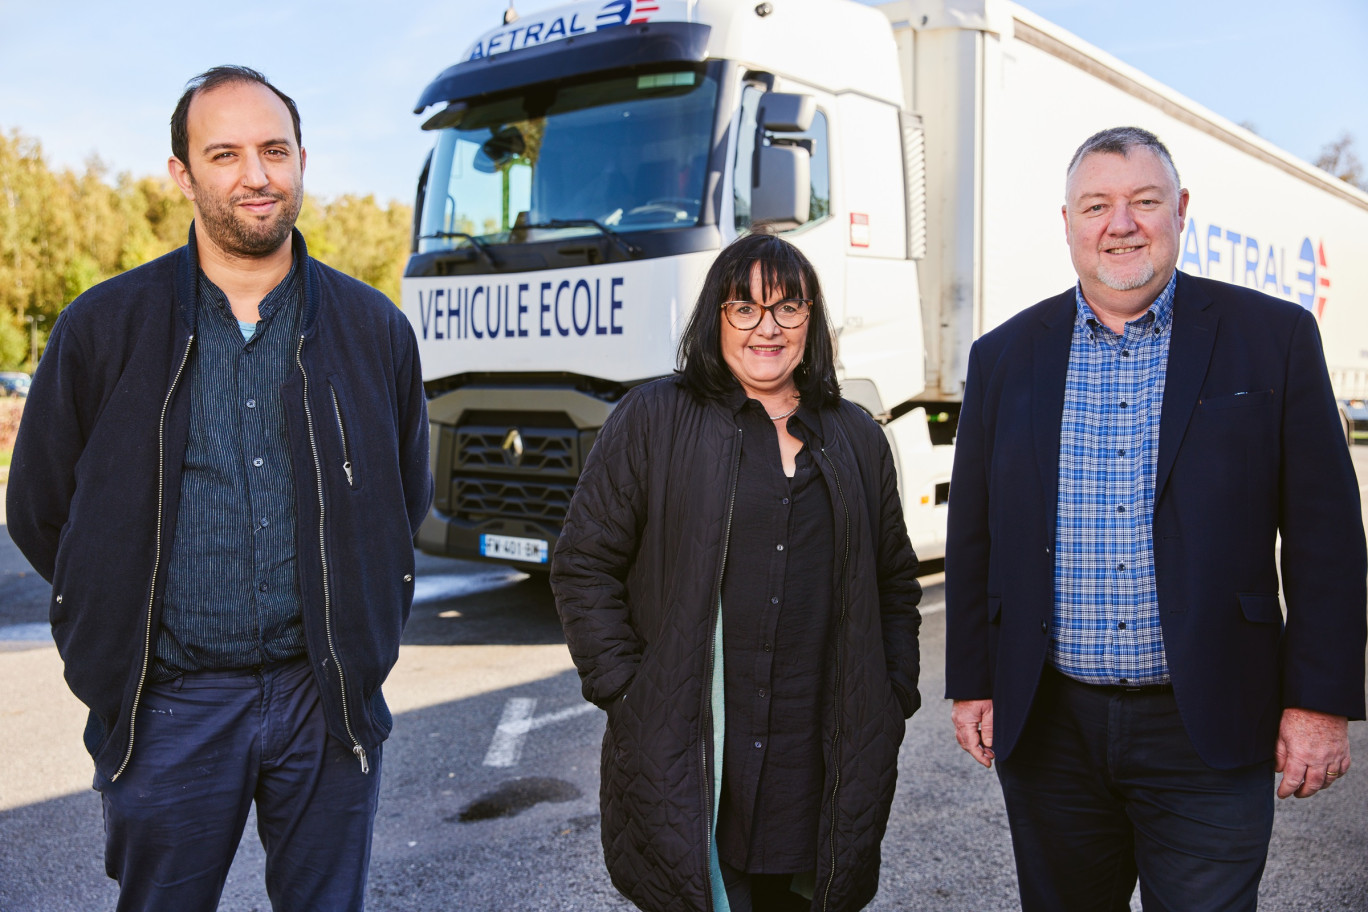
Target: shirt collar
<point>288,289</point>
<point>736,399</point>
<point>1160,311</point>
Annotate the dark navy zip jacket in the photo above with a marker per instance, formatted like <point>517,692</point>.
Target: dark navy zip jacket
<point>95,481</point>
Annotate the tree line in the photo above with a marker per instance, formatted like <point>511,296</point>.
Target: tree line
<point>62,232</point>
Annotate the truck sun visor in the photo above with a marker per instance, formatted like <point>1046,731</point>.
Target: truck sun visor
<point>606,49</point>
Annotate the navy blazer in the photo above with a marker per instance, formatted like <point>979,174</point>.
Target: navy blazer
<point>1250,447</point>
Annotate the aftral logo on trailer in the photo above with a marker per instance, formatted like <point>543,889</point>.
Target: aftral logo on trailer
<point>1322,282</point>
<point>1238,257</point>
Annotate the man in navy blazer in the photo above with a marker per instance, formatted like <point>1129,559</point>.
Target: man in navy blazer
<point>1128,454</point>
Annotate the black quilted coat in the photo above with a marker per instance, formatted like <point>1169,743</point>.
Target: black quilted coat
<point>637,575</point>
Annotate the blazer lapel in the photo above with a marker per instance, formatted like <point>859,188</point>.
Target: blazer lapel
<point>1194,335</point>
<point>1050,372</point>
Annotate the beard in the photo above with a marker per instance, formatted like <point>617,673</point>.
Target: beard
<point>243,235</point>
<point>1128,280</point>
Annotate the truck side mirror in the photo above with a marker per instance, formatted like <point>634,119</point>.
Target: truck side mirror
<point>782,191</point>
<point>785,112</point>
<point>782,195</point>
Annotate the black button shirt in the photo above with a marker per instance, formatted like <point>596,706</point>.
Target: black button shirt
<point>232,598</point>
<point>776,624</point>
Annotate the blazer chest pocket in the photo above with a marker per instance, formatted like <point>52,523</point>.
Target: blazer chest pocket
<point>1247,399</point>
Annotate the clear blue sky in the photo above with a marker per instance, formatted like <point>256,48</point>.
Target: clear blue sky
<point>101,78</point>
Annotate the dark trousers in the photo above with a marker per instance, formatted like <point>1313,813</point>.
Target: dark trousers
<point>1105,785</point>
<point>206,747</point>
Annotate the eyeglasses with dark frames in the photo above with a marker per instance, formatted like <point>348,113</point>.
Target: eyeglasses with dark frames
<point>789,313</point>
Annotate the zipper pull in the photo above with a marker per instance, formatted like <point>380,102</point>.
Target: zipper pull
<point>360,753</point>
<point>346,467</point>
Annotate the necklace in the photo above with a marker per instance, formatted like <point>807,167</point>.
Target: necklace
<point>783,416</point>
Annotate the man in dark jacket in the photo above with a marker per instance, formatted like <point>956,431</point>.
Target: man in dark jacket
<point>223,467</point>
<point>1128,456</point>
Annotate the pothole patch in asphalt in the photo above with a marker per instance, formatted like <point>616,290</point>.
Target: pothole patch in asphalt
<point>516,796</point>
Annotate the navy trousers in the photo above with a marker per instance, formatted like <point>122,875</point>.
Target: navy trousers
<point>209,745</point>
<point>1105,785</point>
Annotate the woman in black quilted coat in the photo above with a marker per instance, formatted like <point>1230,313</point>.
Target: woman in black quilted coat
<point>738,592</point>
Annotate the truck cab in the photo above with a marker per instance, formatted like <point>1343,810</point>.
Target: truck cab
<point>588,163</point>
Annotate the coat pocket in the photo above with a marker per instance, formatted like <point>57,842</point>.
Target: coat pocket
<point>344,429</point>
<point>1246,399</point>
<point>1261,609</point>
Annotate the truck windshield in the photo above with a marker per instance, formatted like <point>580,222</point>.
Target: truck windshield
<point>622,153</point>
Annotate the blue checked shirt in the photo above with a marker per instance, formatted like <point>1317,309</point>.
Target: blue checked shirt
<point>1106,615</point>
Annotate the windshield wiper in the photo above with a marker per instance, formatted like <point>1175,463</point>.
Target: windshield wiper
<point>480,246</point>
<point>627,247</point>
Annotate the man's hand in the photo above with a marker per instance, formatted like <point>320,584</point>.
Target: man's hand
<point>1312,752</point>
<point>974,729</point>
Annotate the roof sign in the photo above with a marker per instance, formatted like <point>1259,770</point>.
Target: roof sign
<point>576,19</point>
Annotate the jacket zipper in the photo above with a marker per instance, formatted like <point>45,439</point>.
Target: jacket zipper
<point>706,780</point>
<point>342,430</point>
<point>357,749</point>
<point>840,683</point>
<point>156,556</point>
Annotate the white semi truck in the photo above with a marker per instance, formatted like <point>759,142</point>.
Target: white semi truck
<point>590,160</point>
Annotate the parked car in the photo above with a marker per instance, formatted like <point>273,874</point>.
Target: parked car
<point>1355,419</point>
<point>14,383</point>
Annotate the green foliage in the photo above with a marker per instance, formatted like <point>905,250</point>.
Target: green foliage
<point>62,232</point>
<point>1341,160</point>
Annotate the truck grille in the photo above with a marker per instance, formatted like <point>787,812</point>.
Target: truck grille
<point>492,481</point>
<point>545,451</point>
<point>478,499</point>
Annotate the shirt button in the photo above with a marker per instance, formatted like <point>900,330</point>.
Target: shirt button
<point>261,586</point>
<point>1125,352</point>
<point>1124,681</point>
<point>758,744</point>
<point>767,647</point>
<point>251,403</point>
<point>258,462</point>
<point>1123,405</point>
<point>1120,509</point>
<point>1044,627</point>
<point>1121,625</point>
<point>1120,566</point>
<point>779,547</point>
<point>785,500</point>
<point>774,599</point>
<point>761,691</point>
<point>1121,452</point>
<point>265,522</point>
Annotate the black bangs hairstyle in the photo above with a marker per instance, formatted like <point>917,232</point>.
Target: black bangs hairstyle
<point>783,267</point>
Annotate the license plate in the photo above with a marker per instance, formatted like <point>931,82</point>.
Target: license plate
<point>532,550</point>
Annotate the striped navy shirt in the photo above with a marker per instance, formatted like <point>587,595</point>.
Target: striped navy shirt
<point>1106,615</point>
<point>232,598</point>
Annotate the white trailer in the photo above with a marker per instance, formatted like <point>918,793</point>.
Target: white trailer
<point>590,160</point>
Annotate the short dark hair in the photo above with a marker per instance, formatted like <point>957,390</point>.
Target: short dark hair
<point>1119,141</point>
<point>784,268</point>
<point>212,79</point>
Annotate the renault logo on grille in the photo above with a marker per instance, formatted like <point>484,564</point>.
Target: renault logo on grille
<point>513,447</point>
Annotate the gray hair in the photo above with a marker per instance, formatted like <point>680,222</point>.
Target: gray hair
<point>1120,141</point>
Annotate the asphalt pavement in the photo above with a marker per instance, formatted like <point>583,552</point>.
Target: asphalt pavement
<point>489,799</point>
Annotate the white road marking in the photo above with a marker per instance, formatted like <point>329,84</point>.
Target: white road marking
<point>432,587</point>
<point>505,749</point>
